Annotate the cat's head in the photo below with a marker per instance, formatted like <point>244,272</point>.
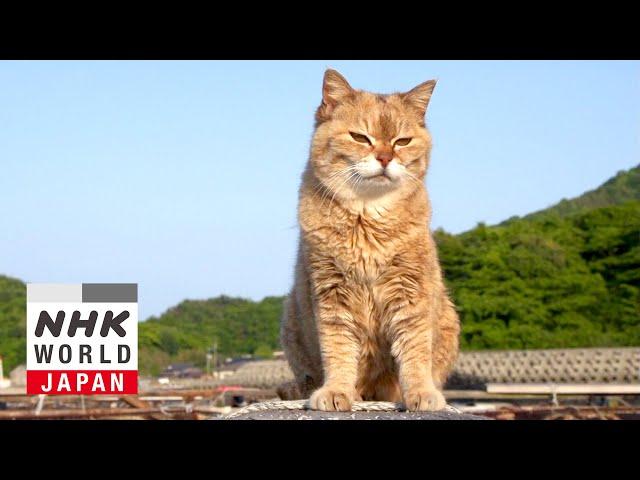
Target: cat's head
<point>367,145</point>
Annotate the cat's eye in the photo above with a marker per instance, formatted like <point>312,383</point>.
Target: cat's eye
<point>401,142</point>
<point>358,137</point>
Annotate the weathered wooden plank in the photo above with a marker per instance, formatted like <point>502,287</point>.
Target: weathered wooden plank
<point>76,413</point>
<point>563,388</point>
<point>141,405</point>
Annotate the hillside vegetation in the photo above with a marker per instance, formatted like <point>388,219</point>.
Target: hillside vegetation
<point>13,322</point>
<point>186,332</point>
<point>567,276</point>
<point>624,187</point>
<point>548,282</point>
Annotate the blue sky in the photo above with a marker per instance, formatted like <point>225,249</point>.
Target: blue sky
<point>183,176</point>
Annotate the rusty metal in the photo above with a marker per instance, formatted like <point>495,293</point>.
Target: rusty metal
<point>76,413</point>
<point>135,402</point>
<point>563,413</point>
<point>200,403</point>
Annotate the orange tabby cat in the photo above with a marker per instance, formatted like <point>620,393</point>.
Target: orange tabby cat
<point>368,316</point>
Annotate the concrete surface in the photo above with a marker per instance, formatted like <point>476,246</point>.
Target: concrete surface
<point>474,369</point>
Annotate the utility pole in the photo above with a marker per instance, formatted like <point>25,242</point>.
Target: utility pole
<point>215,354</point>
<point>209,362</point>
<point>3,383</point>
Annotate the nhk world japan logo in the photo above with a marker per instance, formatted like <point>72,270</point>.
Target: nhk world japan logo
<point>82,338</point>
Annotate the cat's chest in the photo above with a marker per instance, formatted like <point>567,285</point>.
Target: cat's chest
<point>364,248</point>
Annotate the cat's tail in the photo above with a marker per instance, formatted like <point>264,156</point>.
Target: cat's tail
<point>289,391</point>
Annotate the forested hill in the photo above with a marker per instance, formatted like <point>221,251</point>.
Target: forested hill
<point>567,276</point>
<point>624,187</point>
<point>186,332</point>
<point>548,282</point>
<point>13,322</point>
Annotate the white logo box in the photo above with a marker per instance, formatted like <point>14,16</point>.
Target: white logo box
<point>85,351</point>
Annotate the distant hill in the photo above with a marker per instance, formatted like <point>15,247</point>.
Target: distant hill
<point>186,332</point>
<point>567,276</point>
<point>624,187</point>
<point>548,281</point>
<point>13,322</point>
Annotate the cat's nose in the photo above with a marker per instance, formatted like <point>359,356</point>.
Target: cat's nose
<point>384,158</point>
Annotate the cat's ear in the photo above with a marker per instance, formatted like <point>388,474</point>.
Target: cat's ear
<point>335,88</point>
<point>419,96</point>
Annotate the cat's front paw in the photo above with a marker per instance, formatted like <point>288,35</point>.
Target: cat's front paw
<point>421,400</point>
<point>331,399</point>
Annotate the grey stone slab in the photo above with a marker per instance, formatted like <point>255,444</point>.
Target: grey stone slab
<point>317,415</point>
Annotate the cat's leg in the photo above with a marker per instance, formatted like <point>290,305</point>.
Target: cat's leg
<point>340,348</point>
<point>411,330</point>
<point>307,377</point>
<point>446,341</point>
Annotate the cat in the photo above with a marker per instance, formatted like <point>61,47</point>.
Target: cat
<point>368,317</point>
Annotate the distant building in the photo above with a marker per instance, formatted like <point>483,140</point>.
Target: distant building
<point>181,370</point>
<point>230,366</point>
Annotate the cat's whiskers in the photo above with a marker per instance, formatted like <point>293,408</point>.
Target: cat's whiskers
<point>327,187</point>
<point>343,184</point>
<point>409,175</point>
<point>350,170</point>
<point>322,187</point>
